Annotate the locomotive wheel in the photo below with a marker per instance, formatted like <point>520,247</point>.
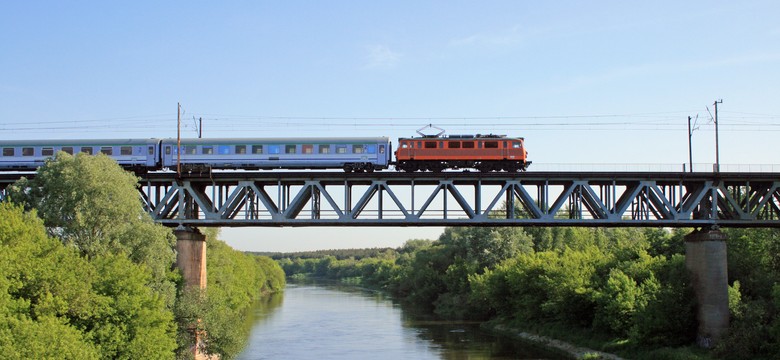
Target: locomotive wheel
<point>348,168</point>
<point>369,167</point>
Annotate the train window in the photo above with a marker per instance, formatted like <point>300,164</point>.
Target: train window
<point>223,149</point>
<point>341,149</point>
<point>257,149</point>
<point>240,149</point>
<point>8,151</point>
<point>357,149</point>
<point>491,144</point>
<point>289,149</point>
<point>28,151</point>
<point>151,150</point>
<point>404,145</point>
<point>381,149</point>
<point>167,150</point>
<point>207,150</point>
<point>419,144</point>
<point>107,150</point>
<point>505,145</point>
<point>47,151</point>
<point>87,150</point>
<point>307,148</point>
<point>274,149</point>
<point>190,149</point>
<point>468,144</point>
<point>67,149</point>
<point>453,144</point>
<point>430,144</point>
<point>516,144</point>
<point>126,150</point>
<point>371,149</point>
<point>324,149</point>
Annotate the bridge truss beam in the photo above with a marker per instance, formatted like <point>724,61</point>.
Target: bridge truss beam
<point>463,199</point>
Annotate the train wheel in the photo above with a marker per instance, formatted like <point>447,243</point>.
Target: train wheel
<point>348,168</point>
<point>369,167</point>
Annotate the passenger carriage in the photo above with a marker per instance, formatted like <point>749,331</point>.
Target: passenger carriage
<point>28,155</point>
<point>348,153</point>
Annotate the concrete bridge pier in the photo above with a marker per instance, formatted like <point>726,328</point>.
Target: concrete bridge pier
<point>191,260</point>
<point>705,259</point>
<point>191,256</point>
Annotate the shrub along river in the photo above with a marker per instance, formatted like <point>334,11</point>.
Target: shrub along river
<point>316,321</point>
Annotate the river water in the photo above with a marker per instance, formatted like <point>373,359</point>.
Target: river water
<point>341,322</point>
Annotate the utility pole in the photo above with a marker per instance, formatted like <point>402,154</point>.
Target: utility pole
<point>200,127</point>
<point>178,139</point>
<point>717,147</point>
<point>690,148</point>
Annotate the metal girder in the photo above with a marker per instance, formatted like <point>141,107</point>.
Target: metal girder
<point>456,198</point>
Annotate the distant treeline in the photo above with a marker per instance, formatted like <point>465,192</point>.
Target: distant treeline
<point>339,254</point>
<point>626,287</point>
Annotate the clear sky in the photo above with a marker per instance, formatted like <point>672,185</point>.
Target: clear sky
<point>585,82</point>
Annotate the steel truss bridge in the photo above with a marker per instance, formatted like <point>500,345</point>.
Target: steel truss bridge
<point>464,198</point>
<point>651,199</point>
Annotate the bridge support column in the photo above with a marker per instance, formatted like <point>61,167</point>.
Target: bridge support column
<point>191,256</point>
<point>705,259</point>
<point>191,260</point>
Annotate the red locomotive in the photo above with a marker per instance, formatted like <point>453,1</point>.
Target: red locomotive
<point>482,152</point>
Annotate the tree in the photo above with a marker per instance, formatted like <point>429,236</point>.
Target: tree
<point>91,203</point>
<point>55,303</point>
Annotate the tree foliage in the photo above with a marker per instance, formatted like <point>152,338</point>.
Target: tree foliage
<point>102,305</point>
<point>89,202</point>
<point>86,274</point>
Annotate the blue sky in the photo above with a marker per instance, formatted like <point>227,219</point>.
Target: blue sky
<point>585,82</point>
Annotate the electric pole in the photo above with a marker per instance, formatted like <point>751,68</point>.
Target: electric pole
<point>178,139</point>
<point>200,127</point>
<point>717,148</point>
<point>690,148</point>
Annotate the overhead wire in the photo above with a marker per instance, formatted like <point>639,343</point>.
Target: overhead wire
<point>658,121</point>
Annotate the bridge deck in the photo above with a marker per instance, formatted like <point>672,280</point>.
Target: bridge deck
<point>323,198</point>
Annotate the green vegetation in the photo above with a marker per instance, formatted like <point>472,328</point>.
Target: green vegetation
<point>235,282</point>
<point>618,290</point>
<point>86,274</point>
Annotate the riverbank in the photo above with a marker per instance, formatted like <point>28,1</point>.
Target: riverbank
<point>575,343</point>
<point>569,342</point>
<point>559,346</point>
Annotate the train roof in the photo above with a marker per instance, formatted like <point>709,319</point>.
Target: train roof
<point>279,140</point>
<point>464,137</point>
<point>78,142</point>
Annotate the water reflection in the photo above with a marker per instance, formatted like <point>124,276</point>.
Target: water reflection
<point>344,322</point>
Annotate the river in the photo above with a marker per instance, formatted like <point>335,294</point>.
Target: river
<point>341,322</point>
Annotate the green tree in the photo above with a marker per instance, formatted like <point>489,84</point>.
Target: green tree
<point>102,306</point>
<point>91,203</point>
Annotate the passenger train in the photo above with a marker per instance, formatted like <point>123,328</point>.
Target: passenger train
<point>358,154</point>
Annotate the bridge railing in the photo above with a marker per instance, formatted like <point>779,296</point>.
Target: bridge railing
<point>656,167</point>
